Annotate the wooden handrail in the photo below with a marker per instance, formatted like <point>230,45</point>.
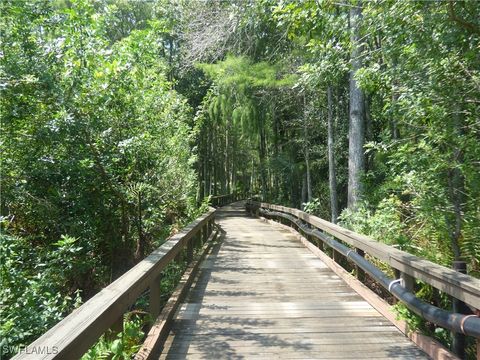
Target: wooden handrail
<point>75,334</point>
<point>222,200</point>
<point>458,285</point>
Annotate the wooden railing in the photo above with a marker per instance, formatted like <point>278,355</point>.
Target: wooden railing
<point>222,200</point>
<point>75,334</point>
<point>408,268</point>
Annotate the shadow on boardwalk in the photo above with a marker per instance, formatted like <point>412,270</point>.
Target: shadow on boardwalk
<point>261,294</point>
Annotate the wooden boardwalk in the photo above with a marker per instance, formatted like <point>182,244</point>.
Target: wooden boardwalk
<point>261,294</point>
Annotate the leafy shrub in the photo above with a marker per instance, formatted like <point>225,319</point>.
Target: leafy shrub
<point>313,207</point>
<point>123,345</point>
<point>32,291</point>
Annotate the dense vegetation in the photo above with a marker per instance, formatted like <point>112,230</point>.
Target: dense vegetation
<point>120,117</point>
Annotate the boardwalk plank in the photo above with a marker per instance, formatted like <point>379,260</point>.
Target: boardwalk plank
<point>260,294</point>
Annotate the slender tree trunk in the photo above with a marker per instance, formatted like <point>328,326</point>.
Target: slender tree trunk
<point>276,184</point>
<point>140,252</point>
<point>205,168</point>
<point>456,184</point>
<point>233,160</point>
<point>307,150</point>
<point>209,165</point>
<point>456,189</point>
<point>214,160</point>
<point>356,132</point>
<point>395,133</point>
<point>263,173</point>
<point>332,176</point>
<point>304,191</point>
<point>227,160</point>
<point>127,244</point>
<point>170,58</point>
<point>368,129</point>
<point>308,176</point>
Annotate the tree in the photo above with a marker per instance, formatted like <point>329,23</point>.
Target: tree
<point>356,133</point>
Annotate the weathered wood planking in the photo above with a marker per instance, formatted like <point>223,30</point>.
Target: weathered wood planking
<point>460,286</point>
<point>261,294</point>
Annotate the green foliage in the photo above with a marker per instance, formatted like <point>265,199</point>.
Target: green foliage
<point>34,287</point>
<point>126,343</point>
<point>313,207</point>
<point>385,224</point>
<point>122,346</point>
<point>413,321</point>
<point>243,74</point>
<point>96,145</point>
<point>103,158</point>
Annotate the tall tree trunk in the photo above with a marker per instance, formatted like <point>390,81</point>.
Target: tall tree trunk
<point>356,131</point>
<point>368,129</point>
<point>332,176</point>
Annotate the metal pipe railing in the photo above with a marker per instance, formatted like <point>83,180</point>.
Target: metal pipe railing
<point>460,323</point>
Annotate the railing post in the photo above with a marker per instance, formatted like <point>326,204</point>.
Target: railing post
<point>458,306</point>
<point>198,239</point>
<point>320,245</point>
<point>154,297</point>
<point>190,246</point>
<point>205,233</point>
<point>408,282</point>
<point>334,255</point>
<point>179,257</point>
<point>210,227</point>
<point>359,270</point>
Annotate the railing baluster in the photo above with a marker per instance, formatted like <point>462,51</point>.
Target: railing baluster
<point>190,246</point>
<point>179,257</point>
<point>205,233</point>
<point>198,240</point>
<point>209,227</point>
<point>335,255</point>
<point>359,270</point>
<point>320,245</point>
<point>408,282</point>
<point>458,306</point>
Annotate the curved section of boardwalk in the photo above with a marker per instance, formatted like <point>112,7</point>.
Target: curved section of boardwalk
<point>261,294</point>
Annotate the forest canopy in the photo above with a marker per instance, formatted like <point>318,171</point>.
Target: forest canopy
<point>119,119</point>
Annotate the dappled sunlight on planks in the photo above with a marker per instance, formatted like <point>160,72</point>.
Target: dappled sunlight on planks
<point>261,294</point>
